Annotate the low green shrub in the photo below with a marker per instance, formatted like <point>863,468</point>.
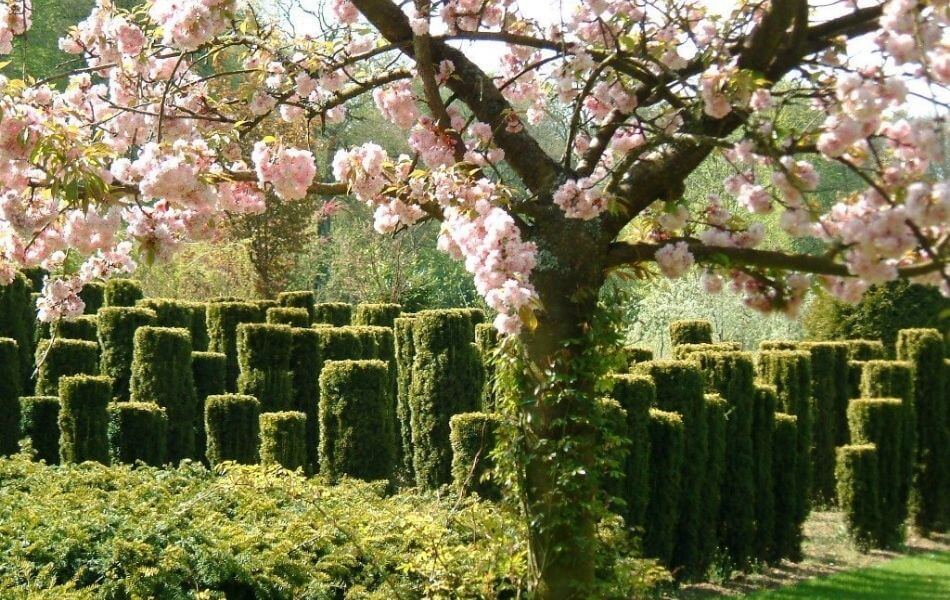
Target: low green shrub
<point>83,421</point>
<point>635,395</point>
<point>39,417</point>
<point>9,396</point>
<point>282,315</point>
<point>300,299</point>
<point>695,331</point>
<point>666,464</point>
<point>61,357</point>
<point>283,439</point>
<point>117,325</point>
<point>232,422</point>
<point>83,327</point>
<point>122,292</point>
<point>472,436</point>
<point>93,296</point>
<point>223,319</point>
<point>138,431</point>
<point>264,361</point>
<point>377,315</point>
<point>857,475</point>
<point>787,533</point>
<point>337,314</point>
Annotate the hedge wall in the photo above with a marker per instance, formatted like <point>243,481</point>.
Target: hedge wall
<point>138,431</point>
<point>857,475</point>
<point>377,315</point>
<point>264,361</point>
<point>223,319</point>
<point>117,325</point>
<point>683,351</point>
<point>716,431</point>
<point>923,349</point>
<point>282,315</point>
<point>829,395</point>
<point>233,425</point>
<point>199,326</point>
<point>636,354</point>
<point>635,395</point>
<point>83,327</point>
<point>357,433</point>
<point>283,439</point>
<point>763,427</point>
<point>472,437</point>
<point>83,421</point>
<point>691,332</point>
<point>337,314</point>
<point>93,296</point>
<point>405,355</point>
<point>208,371</point>
<point>855,370</point>
<point>39,417</point>
<point>161,373</point>
<point>18,321</point>
<point>61,357</point>
<point>300,299</point>
<point>666,464</point>
<point>486,340</point>
<point>305,365</point>
<point>865,349</point>
<point>787,532</point>
<point>122,292</point>
<point>9,397</point>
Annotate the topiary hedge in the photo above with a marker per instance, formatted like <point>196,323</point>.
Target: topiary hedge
<point>787,531</point>
<point>284,439</point>
<point>83,421</point>
<point>9,397</point>
<point>122,292</point>
<point>161,373</point>
<point>486,340</point>
<point>39,417</point>
<point>763,427</point>
<point>305,366</point>
<point>208,371</point>
<point>923,350</point>
<point>300,299</point>
<point>93,296</point>
<point>830,393</point>
<point>857,475</point>
<point>117,325</point>
<point>717,410</point>
<point>170,312</point>
<point>636,354</point>
<point>61,357</point>
<point>377,315</point>
<point>232,422</point>
<point>865,349</point>
<point>138,431</point>
<point>357,433</point>
<point>199,326</point>
<point>282,315</point>
<point>337,314</point>
<point>691,332</point>
<point>635,395</point>
<point>83,327</point>
<point>223,319</point>
<point>18,322</point>
<point>405,355</point>
<point>264,361</point>
<point>683,351</point>
<point>472,437</point>
<point>666,464</point>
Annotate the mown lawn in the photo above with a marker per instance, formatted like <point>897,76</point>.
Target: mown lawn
<point>925,576</point>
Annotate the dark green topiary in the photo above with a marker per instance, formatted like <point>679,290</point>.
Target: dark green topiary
<point>39,421</point>
<point>223,319</point>
<point>138,431</point>
<point>894,379</point>
<point>923,349</point>
<point>679,388</point>
<point>117,327</point>
<point>790,372</point>
<point>717,410</point>
<point>83,327</point>
<point>233,425</point>
<point>787,533</point>
<point>18,321</point>
<point>377,315</point>
<point>60,357</point>
<point>879,421</point>
<point>35,277</point>
<point>446,380</point>
<point>767,345</point>
<point>472,436</point>
<point>305,365</point>
<point>405,355</point>
<point>335,313</point>
<point>282,315</point>
<point>9,397</point>
<point>865,349</point>
<point>855,373</point>
<point>83,421</point>
<point>691,332</point>
<point>283,439</point>
<point>683,351</point>
<point>486,340</point>
<point>636,395</point>
<point>170,312</point>
<point>857,475</point>
<point>93,295</point>
<point>829,396</point>
<point>357,433</point>
<point>123,292</point>
<point>666,464</point>
<point>264,360</point>
<point>161,373</point>
<point>732,376</point>
<point>636,354</point>
<point>208,371</point>
<point>199,326</point>
<point>763,427</point>
<point>301,299</point>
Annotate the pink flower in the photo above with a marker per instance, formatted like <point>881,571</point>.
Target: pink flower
<point>290,171</point>
<point>674,259</point>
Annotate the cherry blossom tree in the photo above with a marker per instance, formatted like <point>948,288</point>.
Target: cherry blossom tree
<point>131,153</point>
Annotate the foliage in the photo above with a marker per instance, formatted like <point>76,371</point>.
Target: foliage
<point>857,475</point>
<point>305,365</point>
<point>17,321</point>
<point>232,423</point>
<point>691,332</point>
<point>635,395</point>
<point>223,319</point>
<point>865,349</point>
<point>93,295</point>
<point>666,464</point>
<point>472,437</point>
<point>486,341</point>
<point>717,417</point>
<point>381,315</point>
<point>683,351</point>
<point>337,314</point>
<point>9,396</point>
<point>283,439</point>
<point>208,373</point>
<point>83,422</point>
<point>117,325</point>
<point>299,299</point>
<point>123,292</point>
<point>39,422</point>
<point>763,427</point>
<point>787,537</point>
<point>200,271</point>
<point>138,431</point>
<point>264,359</point>
<point>83,327</point>
<point>405,356</point>
<point>59,357</point>
<point>282,315</point>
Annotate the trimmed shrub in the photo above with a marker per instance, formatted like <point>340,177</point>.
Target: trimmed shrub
<point>865,349</point>
<point>717,410</point>
<point>334,313</point>
<point>170,312</point>
<point>763,426</point>
<point>830,394</point>
<point>208,372</point>
<point>472,436</point>
<point>923,349</point>
<point>35,276</point>
<point>377,315</point>
<point>39,417</point>
<point>199,326</point>
<point>878,421</point>
<point>138,431</point>
<point>766,345</point>
<point>855,372</point>
<point>446,380</point>
<point>732,375</point>
<point>679,389</point>
<point>666,464</point>
<point>264,360</point>
<point>790,372</point>
<point>857,475</point>
<point>636,354</point>
<point>305,366</point>
<point>83,421</point>
<point>233,425</point>
<point>691,332</point>
<point>787,532</point>
<point>122,292</point>
<point>635,395</point>
<point>9,397</point>
<point>405,355</point>
<point>117,325</point>
<point>60,357</point>
<point>83,327</point>
<point>283,439</point>
<point>18,322</point>
<point>357,437</point>
<point>93,295</point>
<point>223,319</point>
<point>282,315</point>
<point>486,341</point>
<point>683,351</point>
<point>894,379</point>
<point>301,299</point>
<point>161,373</point>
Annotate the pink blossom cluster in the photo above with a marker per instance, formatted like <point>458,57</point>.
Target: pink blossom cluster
<point>290,171</point>
<point>914,31</point>
<point>344,10</point>
<point>60,299</point>
<point>471,15</point>
<point>363,170</point>
<point>674,259</point>
<point>434,145</point>
<point>187,24</point>
<point>88,231</point>
<point>397,103</point>
<point>15,19</point>
<point>581,199</point>
<point>715,81</point>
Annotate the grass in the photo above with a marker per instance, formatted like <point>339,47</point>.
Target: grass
<point>921,577</point>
